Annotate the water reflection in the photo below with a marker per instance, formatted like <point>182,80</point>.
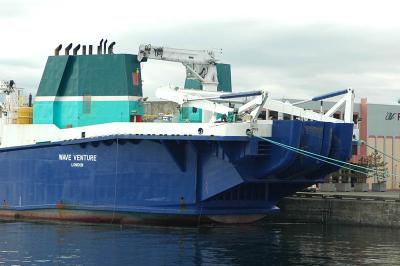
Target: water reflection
<point>262,244</point>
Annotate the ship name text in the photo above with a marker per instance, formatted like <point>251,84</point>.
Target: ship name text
<point>77,157</point>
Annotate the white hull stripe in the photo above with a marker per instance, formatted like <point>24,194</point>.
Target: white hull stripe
<point>81,98</point>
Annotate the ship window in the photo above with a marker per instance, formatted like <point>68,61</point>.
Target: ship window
<point>87,104</point>
<point>262,115</point>
<point>273,115</point>
<point>286,117</point>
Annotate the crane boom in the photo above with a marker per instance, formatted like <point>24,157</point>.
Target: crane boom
<point>185,56</point>
<point>200,64</point>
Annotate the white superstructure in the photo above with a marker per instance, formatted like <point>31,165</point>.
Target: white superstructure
<point>17,135</point>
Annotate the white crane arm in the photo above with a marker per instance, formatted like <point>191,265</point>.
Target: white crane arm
<point>147,51</point>
<point>200,64</point>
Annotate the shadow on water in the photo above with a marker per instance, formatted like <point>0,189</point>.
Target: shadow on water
<point>261,244</point>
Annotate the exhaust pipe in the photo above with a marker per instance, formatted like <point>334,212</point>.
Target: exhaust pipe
<point>30,100</point>
<point>68,48</point>
<point>84,49</point>
<point>111,48</point>
<point>76,49</point>
<point>57,50</point>
<point>105,47</point>
<point>90,49</point>
<point>99,48</point>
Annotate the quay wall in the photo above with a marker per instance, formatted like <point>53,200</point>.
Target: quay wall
<point>372,212</point>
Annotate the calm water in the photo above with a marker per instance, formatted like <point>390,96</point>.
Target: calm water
<point>265,244</point>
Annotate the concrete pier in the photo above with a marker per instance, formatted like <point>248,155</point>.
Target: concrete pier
<point>357,208</point>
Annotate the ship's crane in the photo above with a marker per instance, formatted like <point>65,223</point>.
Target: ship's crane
<point>7,87</point>
<point>199,64</point>
<point>9,106</point>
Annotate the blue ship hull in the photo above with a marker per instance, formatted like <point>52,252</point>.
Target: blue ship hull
<point>166,179</point>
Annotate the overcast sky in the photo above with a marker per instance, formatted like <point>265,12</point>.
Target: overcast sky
<point>294,49</point>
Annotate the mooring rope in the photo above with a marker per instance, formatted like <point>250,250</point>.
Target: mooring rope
<point>328,160</point>
<point>384,154</point>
